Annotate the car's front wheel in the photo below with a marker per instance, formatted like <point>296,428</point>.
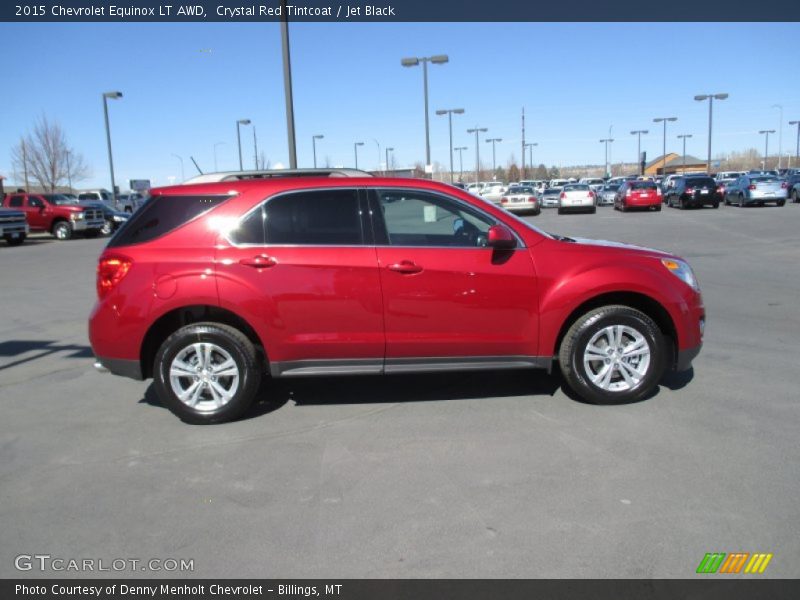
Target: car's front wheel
<point>62,230</point>
<point>207,373</point>
<point>108,227</point>
<point>613,354</point>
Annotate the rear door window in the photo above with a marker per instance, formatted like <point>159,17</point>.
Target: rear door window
<point>15,201</point>
<point>161,215</point>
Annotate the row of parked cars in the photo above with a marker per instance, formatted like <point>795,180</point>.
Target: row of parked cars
<point>90,214</point>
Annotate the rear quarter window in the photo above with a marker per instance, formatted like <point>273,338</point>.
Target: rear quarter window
<point>161,215</point>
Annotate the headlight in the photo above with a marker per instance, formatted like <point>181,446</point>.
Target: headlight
<point>682,271</point>
<point>77,216</point>
<point>119,219</point>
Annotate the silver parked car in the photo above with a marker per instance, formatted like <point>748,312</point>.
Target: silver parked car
<point>607,193</point>
<point>756,189</point>
<point>550,197</point>
<point>577,197</point>
<point>520,199</point>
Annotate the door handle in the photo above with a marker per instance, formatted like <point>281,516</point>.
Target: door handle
<point>405,266</point>
<point>262,261</point>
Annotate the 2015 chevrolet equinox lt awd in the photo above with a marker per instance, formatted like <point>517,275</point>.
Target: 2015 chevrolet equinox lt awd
<point>210,287</point>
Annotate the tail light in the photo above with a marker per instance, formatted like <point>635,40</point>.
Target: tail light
<point>752,186</point>
<point>690,190</point>
<point>784,185</point>
<point>721,189</point>
<point>503,200</point>
<point>531,198</point>
<point>591,195</point>
<point>563,195</point>
<point>110,272</point>
<point>628,193</point>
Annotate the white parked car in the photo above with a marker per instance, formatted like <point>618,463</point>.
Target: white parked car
<point>493,191</point>
<point>595,183</point>
<point>577,197</point>
<point>558,183</point>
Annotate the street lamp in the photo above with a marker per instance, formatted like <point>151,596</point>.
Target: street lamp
<point>797,151</point>
<point>530,146</point>
<point>255,147</point>
<point>355,150</point>
<point>438,59</point>
<point>239,139</point>
<point>493,141</point>
<point>710,98</point>
<point>664,150</point>
<point>180,158</point>
<point>607,141</point>
<point>113,96</point>
<point>780,134</point>
<point>638,133</point>
<point>460,151</point>
<point>387,158</point>
<point>765,133</point>
<point>314,139</point>
<point>477,131</point>
<point>683,137</point>
<point>215,154</point>
<point>450,112</point>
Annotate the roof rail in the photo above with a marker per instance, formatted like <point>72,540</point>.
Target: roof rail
<point>274,173</point>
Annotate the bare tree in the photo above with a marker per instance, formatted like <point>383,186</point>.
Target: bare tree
<point>45,156</point>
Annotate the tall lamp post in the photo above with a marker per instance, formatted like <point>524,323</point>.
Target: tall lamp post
<point>287,86</point>
<point>180,158</point>
<point>387,157</point>
<point>239,139</point>
<point>797,151</point>
<point>314,139</point>
<point>607,141</point>
<point>215,154</point>
<point>477,131</point>
<point>450,112</point>
<point>765,133</point>
<point>638,133</point>
<point>255,147</point>
<point>493,141</point>
<point>460,151</point>
<point>710,98</point>
<point>683,137</point>
<point>355,150</point>
<point>113,96</point>
<point>664,149</point>
<point>529,146</point>
<point>438,59</point>
<point>780,134</point>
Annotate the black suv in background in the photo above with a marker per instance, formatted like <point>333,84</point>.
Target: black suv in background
<point>691,191</point>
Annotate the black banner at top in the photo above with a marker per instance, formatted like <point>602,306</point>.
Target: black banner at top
<point>395,11</point>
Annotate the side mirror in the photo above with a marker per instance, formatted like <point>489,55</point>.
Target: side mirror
<point>501,237</point>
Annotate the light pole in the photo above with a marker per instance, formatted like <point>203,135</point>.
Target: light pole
<point>683,137</point>
<point>438,59</point>
<point>664,149</point>
<point>355,150</point>
<point>255,147</point>
<point>710,98</point>
<point>780,134</point>
<point>477,131</point>
<point>113,96</point>
<point>765,133</point>
<point>69,172</point>
<point>450,112</point>
<point>180,158</point>
<point>493,141</point>
<point>287,85</point>
<point>460,151</point>
<point>607,141</point>
<point>215,154</point>
<point>239,139</point>
<point>387,158</point>
<point>314,139</point>
<point>638,133</point>
<point>529,146</point>
<point>797,151</point>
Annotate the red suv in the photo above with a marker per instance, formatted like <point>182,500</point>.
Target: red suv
<point>210,287</point>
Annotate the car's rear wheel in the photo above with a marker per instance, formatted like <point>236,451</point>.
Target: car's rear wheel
<point>207,373</point>
<point>15,241</point>
<point>781,202</point>
<point>715,204</point>
<point>683,205</point>
<point>560,210</point>
<point>613,354</point>
<point>741,200</point>
<point>795,196</point>
<point>658,208</point>
<point>62,230</point>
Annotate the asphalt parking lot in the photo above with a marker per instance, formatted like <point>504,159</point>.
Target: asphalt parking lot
<point>459,475</point>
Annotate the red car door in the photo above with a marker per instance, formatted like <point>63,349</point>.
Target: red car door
<point>299,269</point>
<point>36,209</point>
<point>446,295</point>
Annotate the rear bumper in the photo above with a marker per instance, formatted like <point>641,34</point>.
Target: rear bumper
<point>119,366</point>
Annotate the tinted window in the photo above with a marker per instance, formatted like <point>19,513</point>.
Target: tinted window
<point>36,202</point>
<point>161,215</point>
<point>57,199</point>
<point>313,218</point>
<point>521,190</point>
<point>764,179</point>
<point>87,196</point>
<point>576,187</point>
<point>419,219</point>
<point>15,201</point>
<point>700,182</point>
<point>643,185</point>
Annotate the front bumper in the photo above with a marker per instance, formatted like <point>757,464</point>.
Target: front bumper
<point>684,358</point>
<point>120,366</point>
<point>84,225</point>
<point>12,229</point>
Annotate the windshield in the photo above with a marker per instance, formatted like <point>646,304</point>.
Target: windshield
<point>58,199</point>
<point>643,185</point>
<point>764,179</point>
<point>611,188</point>
<point>522,189</point>
<point>552,191</point>
<point>576,187</point>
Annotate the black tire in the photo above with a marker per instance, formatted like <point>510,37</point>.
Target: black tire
<point>715,205</point>
<point>593,210</point>
<point>781,202</point>
<point>560,210</point>
<point>577,338</point>
<point>658,208</point>
<point>741,200</point>
<point>231,341</point>
<point>726,200</point>
<point>683,205</point>
<point>15,241</point>
<point>62,231</point>
<point>795,196</point>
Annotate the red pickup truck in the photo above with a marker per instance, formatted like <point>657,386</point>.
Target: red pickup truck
<point>57,214</point>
